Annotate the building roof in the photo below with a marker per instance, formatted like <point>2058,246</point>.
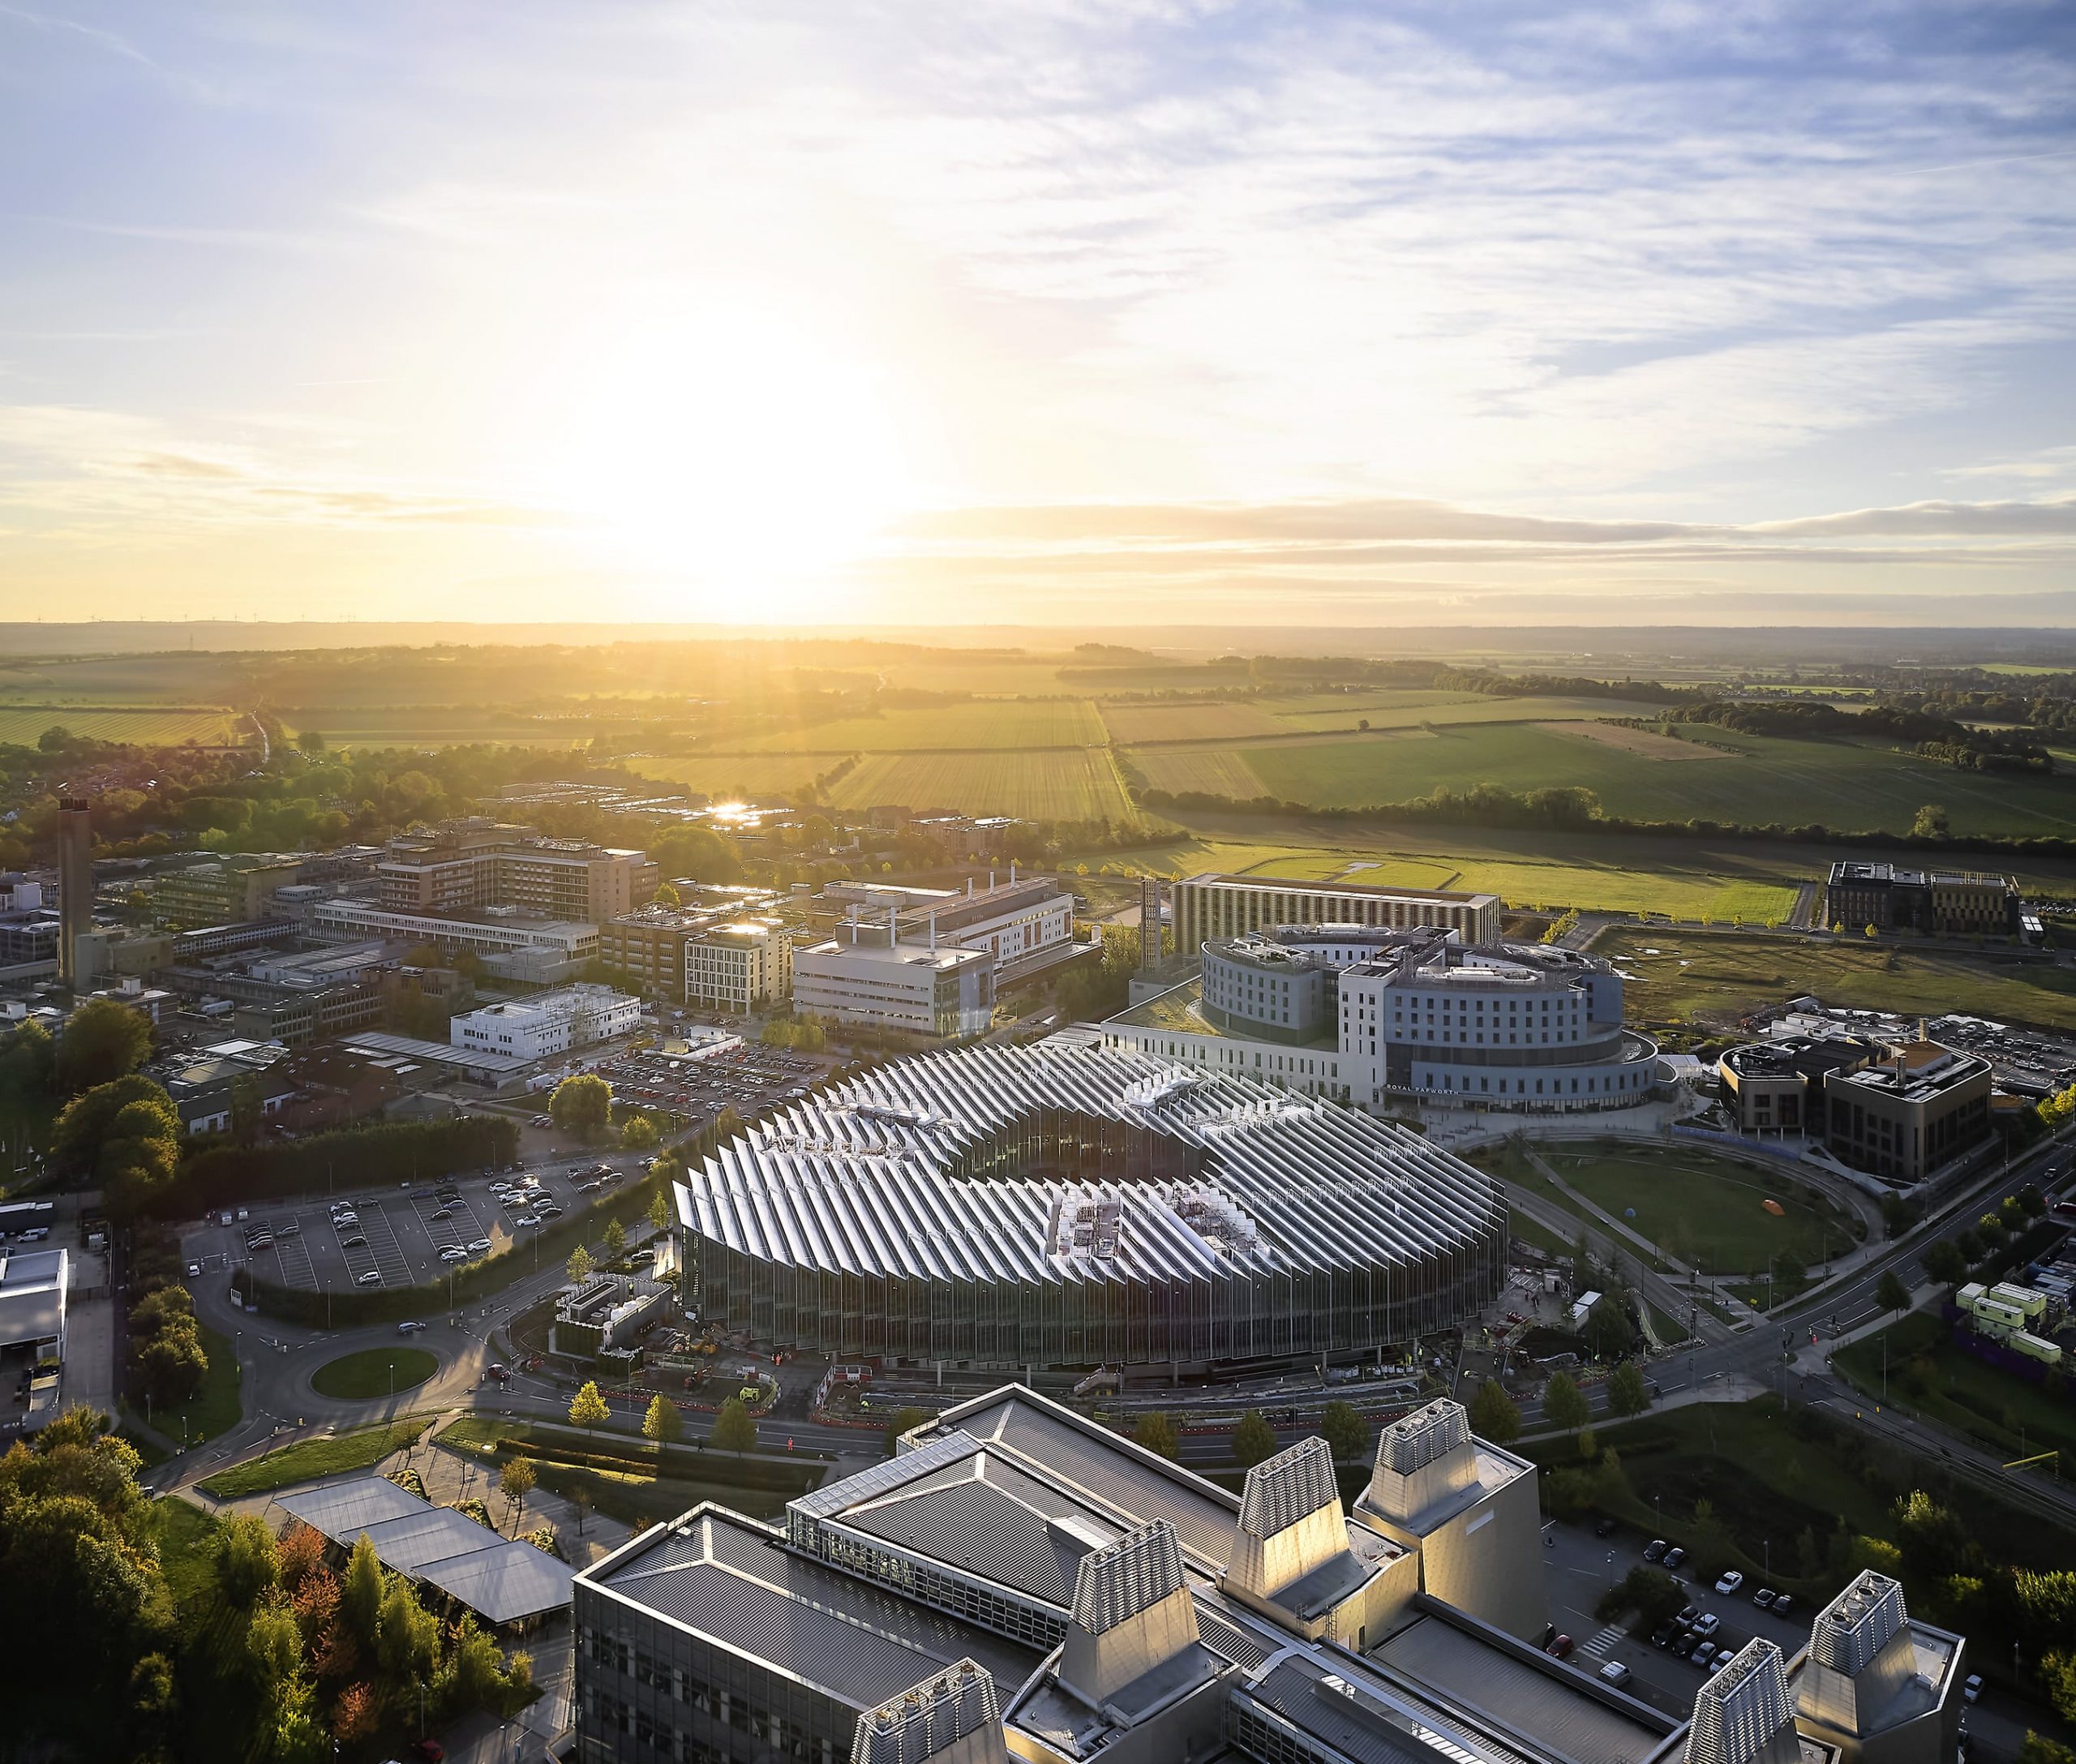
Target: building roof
<point>1287,885</point>
<point>500,1580</point>
<point>868,1178</point>
<point>32,1296</point>
<point>729,1580</point>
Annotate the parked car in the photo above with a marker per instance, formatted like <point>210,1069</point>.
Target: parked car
<point>1704,1654</point>
<point>1689,1616</point>
<point>1764,1598</point>
<point>479,1246</point>
<point>1707,1623</point>
<point>1783,1604</point>
<point>1615,1673</point>
<point>1662,1636</point>
<point>1685,1645</point>
<point>353,1242</point>
<point>1605,1529</point>
<point>432,1751</point>
<point>1673,1558</point>
<point>525,1218</point>
<point>1731,1580</point>
<point>1654,1550</point>
<point>453,1253</point>
<point>368,1279</point>
<point>1560,1647</point>
<point>1971,1687</point>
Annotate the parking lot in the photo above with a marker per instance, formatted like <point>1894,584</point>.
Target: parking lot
<point>1580,1567</point>
<point>748,1077</point>
<point>410,1234</point>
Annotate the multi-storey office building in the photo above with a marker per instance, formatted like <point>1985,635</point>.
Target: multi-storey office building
<point>1958,903</point>
<point>739,967</point>
<point>478,862</point>
<point>1380,1018</point>
<point>1904,1115</point>
<point>1065,1205</point>
<point>1021,1582</point>
<point>1210,906</point>
<point>548,1022</point>
<point>1025,924</point>
<point>942,993</point>
<point>228,890</point>
<point>559,946</point>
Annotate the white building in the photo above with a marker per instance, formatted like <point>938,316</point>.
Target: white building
<point>739,967</point>
<point>1377,1018</point>
<point>548,1023</point>
<point>539,948</point>
<point>1024,924</point>
<point>942,992</point>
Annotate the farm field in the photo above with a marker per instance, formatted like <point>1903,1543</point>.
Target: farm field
<point>1187,720</point>
<point>176,679</point>
<point>1054,784</point>
<point>1022,723</point>
<point>1850,785</point>
<point>165,726</point>
<point>1708,1211</point>
<point>437,726</point>
<point>1719,978</point>
<point>1406,708</point>
<point>737,775</point>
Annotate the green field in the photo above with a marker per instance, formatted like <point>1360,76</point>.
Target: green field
<point>1850,785</point>
<point>438,726</point>
<point>1707,1211</point>
<point>1029,723</point>
<point>314,1458</point>
<point>1187,720</point>
<point>168,726</point>
<point>374,1371</point>
<point>1927,1372</point>
<point>737,775</point>
<point>1055,784</point>
<point>1717,979</point>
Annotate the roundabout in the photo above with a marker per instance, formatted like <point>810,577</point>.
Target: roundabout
<point>366,1376</point>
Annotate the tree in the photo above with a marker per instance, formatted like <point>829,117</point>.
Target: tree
<point>1564,1405</point>
<point>246,1104</point>
<point>1494,1415</point>
<point>1890,1294</point>
<point>662,1215</point>
<point>2034,1748</point>
<point>582,1106</point>
<point>1253,1439</point>
<point>579,1266</point>
<point>666,895</point>
<point>1156,1433</point>
<point>735,1428</point>
<point>638,1133</point>
<point>1945,1263</point>
<point>662,1423</point>
<point>614,1240</point>
<point>515,1482</point>
<point>1654,1594</point>
<point>102,1041</point>
<point>406,1634</point>
<point>246,1564</point>
<point>588,1408</point>
<point>361,1598</point>
<point>1627,1393</point>
<point>1346,1433</point>
<point>1930,822</point>
<point>1610,1334</point>
<point>273,1644</point>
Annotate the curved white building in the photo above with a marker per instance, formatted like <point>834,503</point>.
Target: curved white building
<point>1065,1205</point>
<point>1381,1018</point>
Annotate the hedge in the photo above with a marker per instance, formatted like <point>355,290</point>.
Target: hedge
<point>792,1472</point>
<point>355,1157</point>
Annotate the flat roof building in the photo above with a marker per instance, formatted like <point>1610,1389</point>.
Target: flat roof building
<point>478,862</point>
<point>1951,902</point>
<point>940,992</point>
<point>1214,905</point>
<point>547,1024</point>
<point>1905,1114</point>
<point>236,890</point>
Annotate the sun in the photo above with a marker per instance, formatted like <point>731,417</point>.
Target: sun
<point>730,452</point>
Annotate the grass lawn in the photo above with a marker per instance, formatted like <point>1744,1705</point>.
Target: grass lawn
<point>1717,980</point>
<point>1928,1373</point>
<point>374,1371</point>
<point>1520,1226</point>
<point>187,1538</point>
<point>312,1459</point>
<point>215,1408</point>
<point>167,725</point>
<point>1704,1209</point>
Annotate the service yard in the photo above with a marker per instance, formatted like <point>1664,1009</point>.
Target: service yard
<point>408,1235</point>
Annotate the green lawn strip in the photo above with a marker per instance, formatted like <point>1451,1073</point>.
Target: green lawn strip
<point>374,1371</point>
<point>215,1407</point>
<point>1708,1211</point>
<point>312,1459</point>
<point>1667,1329</point>
<point>187,1538</point>
<point>1929,1374</point>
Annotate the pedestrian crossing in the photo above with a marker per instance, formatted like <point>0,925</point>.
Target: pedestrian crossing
<point>1598,1644</point>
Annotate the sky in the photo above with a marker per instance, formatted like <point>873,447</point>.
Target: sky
<point>1067,312</point>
